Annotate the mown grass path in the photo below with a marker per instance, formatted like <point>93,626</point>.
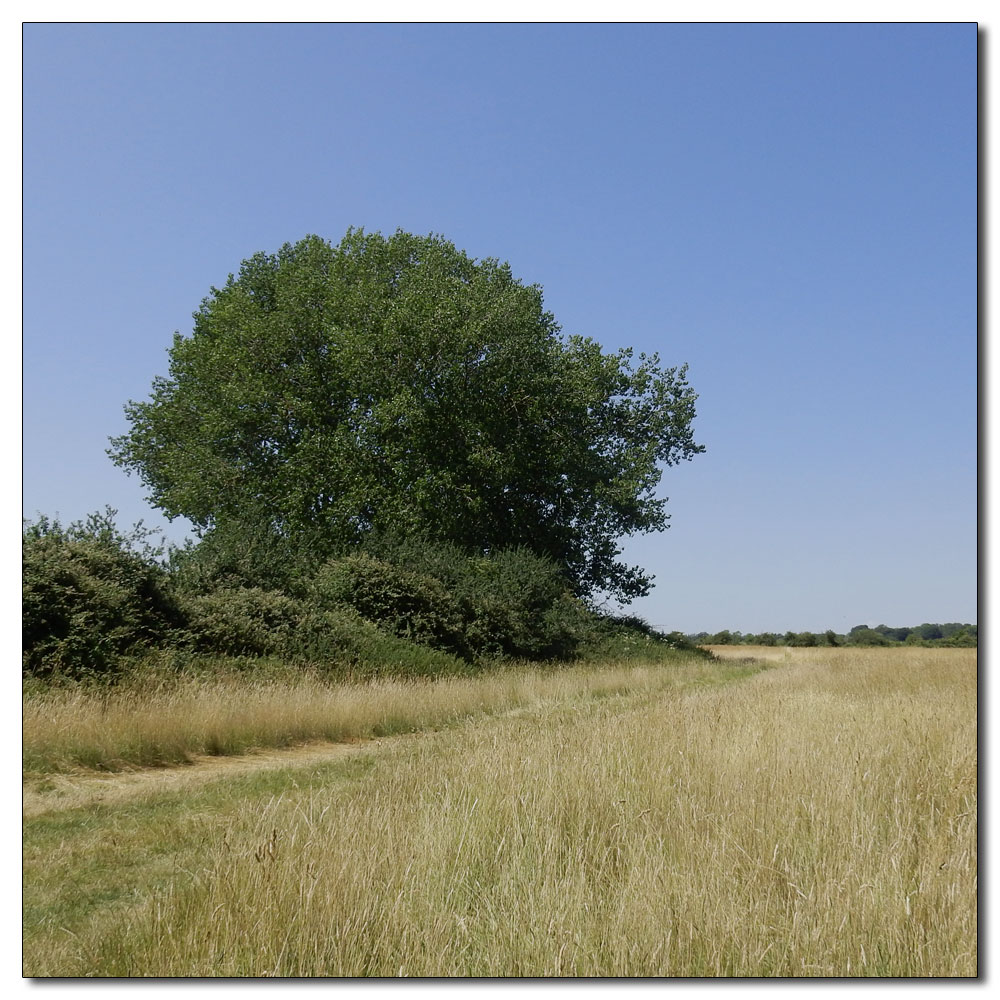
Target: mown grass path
<point>61,792</point>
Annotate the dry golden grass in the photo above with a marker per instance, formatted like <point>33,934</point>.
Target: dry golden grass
<point>769,654</point>
<point>142,724</point>
<point>817,819</point>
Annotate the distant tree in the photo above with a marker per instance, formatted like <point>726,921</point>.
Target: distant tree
<point>961,638</point>
<point>830,638</point>
<point>723,638</point>
<point>867,637</point>
<point>952,628</point>
<point>895,634</point>
<point>396,384</point>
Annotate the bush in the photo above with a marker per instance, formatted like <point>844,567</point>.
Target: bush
<point>513,602</point>
<point>613,637</point>
<point>507,604</point>
<point>246,621</point>
<point>518,605</point>
<point>249,622</point>
<point>247,555</point>
<point>401,602</point>
<point>90,595</point>
<point>375,653</point>
<point>95,598</point>
<point>445,561</point>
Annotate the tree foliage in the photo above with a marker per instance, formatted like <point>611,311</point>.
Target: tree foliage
<point>332,392</point>
<point>948,634</point>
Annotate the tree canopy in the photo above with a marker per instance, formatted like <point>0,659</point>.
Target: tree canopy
<point>395,384</point>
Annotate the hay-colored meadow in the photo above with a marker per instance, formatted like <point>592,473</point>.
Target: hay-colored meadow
<point>814,818</point>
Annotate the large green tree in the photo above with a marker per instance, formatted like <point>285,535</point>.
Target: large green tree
<point>395,384</point>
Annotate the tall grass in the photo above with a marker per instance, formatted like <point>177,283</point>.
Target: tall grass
<point>144,722</point>
<point>817,819</point>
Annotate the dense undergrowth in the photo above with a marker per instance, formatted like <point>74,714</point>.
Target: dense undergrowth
<point>101,604</point>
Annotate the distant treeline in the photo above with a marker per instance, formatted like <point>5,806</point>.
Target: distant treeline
<point>928,634</point>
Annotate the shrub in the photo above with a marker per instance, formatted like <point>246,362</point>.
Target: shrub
<point>445,561</point>
<point>377,654</point>
<point>614,637</point>
<point>250,622</point>
<point>91,594</point>
<point>512,602</point>
<point>249,554</point>
<point>401,602</point>
<point>518,605</point>
<point>245,621</point>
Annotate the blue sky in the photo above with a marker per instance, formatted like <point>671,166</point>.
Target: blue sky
<point>790,209</point>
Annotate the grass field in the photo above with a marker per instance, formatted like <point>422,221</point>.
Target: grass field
<point>813,814</point>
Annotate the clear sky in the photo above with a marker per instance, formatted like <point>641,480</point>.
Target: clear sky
<point>791,209</point>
